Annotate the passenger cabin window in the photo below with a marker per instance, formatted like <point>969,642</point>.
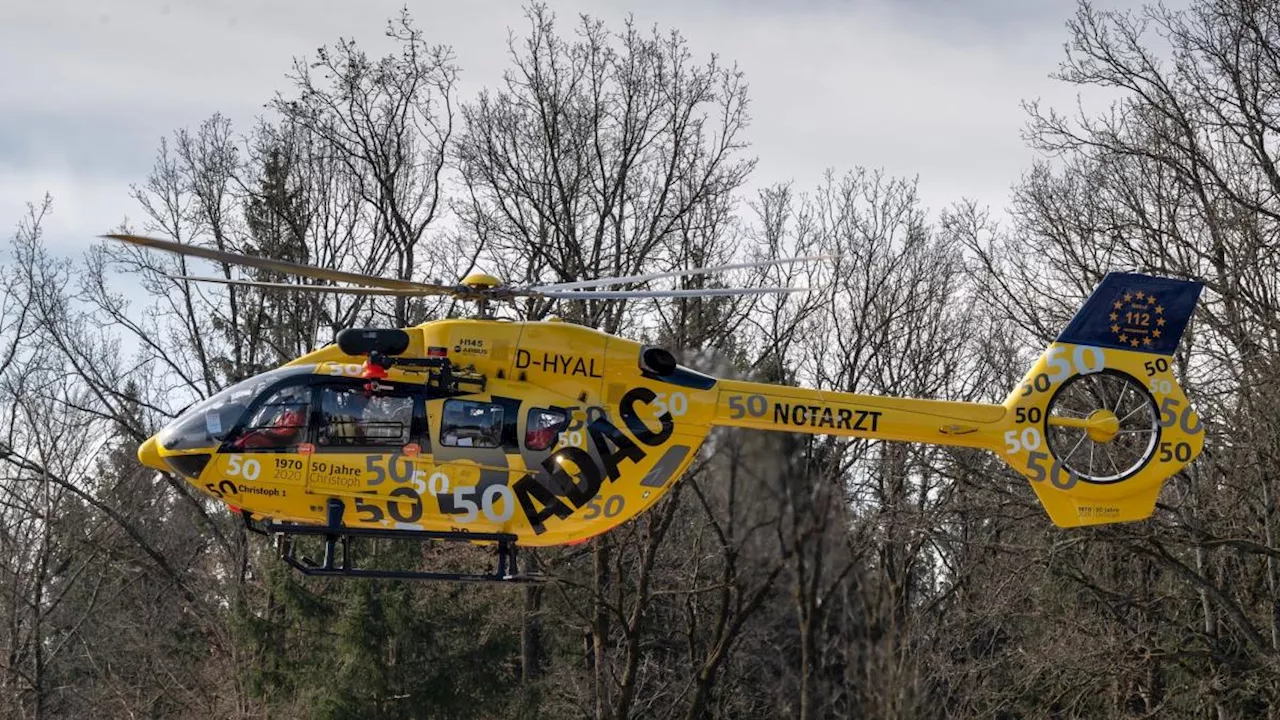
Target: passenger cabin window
<point>279,422</point>
<point>542,428</point>
<point>349,416</point>
<point>466,423</point>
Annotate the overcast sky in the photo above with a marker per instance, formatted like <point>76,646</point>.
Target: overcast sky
<point>927,88</point>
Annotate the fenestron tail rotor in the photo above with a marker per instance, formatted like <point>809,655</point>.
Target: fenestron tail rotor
<point>482,288</point>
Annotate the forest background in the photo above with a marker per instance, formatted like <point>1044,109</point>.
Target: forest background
<point>784,576</point>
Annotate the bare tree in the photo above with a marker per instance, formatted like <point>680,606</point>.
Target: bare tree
<point>388,123</point>
<point>599,154</point>
<point>1178,179</point>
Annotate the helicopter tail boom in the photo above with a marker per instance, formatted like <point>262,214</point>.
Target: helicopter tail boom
<point>763,406</point>
<point>1097,425</point>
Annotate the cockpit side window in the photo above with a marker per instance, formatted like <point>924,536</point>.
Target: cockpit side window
<point>280,421</point>
<point>350,416</point>
<point>543,427</point>
<point>468,423</point>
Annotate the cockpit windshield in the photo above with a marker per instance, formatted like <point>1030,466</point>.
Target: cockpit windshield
<point>209,421</point>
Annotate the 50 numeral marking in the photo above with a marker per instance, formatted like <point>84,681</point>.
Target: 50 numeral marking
<point>341,369</point>
<point>1171,451</point>
<point>1040,383</point>
<point>1169,416</point>
<point>1015,441</point>
<point>222,489</point>
<point>572,438</point>
<point>372,513</point>
<point>400,472</point>
<point>488,501</point>
<point>1027,415</point>
<point>1155,366</point>
<point>754,405</point>
<point>610,508</point>
<point>1084,360</point>
<point>238,466</point>
<point>677,403</point>
<point>1056,473</point>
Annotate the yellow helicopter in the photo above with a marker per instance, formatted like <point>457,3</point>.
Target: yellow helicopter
<point>548,433</point>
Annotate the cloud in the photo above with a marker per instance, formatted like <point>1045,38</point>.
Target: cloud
<point>922,87</point>
<point>84,206</point>
<point>926,88</point>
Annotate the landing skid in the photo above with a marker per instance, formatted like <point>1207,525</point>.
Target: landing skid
<point>336,534</point>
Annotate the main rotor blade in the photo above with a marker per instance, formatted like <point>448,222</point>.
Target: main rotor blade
<point>312,288</point>
<point>609,294</point>
<point>283,266</point>
<point>677,273</point>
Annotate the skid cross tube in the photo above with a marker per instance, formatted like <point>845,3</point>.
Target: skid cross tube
<point>334,533</point>
<point>506,571</point>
